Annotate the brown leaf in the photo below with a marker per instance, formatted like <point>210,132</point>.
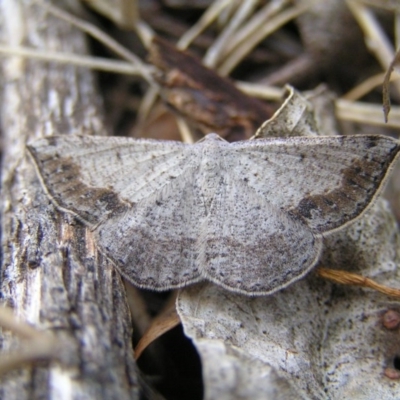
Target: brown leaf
<point>206,100</point>
<point>386,86</point>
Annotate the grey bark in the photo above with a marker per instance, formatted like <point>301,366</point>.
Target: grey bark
<point>52,275</point>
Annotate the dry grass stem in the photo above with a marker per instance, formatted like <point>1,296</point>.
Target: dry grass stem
<point>253,25</point>
<point>366,113</point>
<point>216,51</point>
<point>38,349</point>
<point>388,5</point>
<point>375,37</point>
<point>123,12</point>
<point>145,33</point>
<point>276,22</point>
<point>37,345</point>
<point>10,322</point>
<point>397,29</point>
<point>367,86</point>
<point>96,63</point>
<point>302,65</point>
<point>208,17</point>
<point>146,105</point>
<point>348,278</point>
<point>261,91</point>
<point>103,38</point>
<point>186,133</point>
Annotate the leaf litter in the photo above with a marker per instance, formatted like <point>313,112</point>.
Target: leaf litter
<point>315,387</point>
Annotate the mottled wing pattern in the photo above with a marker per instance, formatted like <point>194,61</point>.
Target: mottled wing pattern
<point>248,215</point>
<point>324,181</point>
<point>139,196</point>
<point>155,244</point>
<point>94,177</point>
<point>251,246</point>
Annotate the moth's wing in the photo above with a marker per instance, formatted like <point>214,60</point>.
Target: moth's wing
<point>94,177</point>
<point>155,244</point>
<point>138,196</point>
<point>251,246</point>
<point>324,181</point>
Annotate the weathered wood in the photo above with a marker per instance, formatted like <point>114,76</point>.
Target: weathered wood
<point>52,275</point>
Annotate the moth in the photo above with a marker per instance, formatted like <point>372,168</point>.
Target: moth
<point>249,216</point>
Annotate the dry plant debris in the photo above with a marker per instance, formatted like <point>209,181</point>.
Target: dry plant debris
<point>202,97</point>
<point>36,346</point>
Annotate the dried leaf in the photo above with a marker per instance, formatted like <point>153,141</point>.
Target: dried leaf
<point>321,340</point>
<point>164,322</point>
<point>386,86</point>
<point>314,339</point>
<point>210,102</point>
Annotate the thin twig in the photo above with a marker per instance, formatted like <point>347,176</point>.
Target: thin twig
<point>366,113</point>
<point>148,100</point>
<point>39,349</point>
<point>208,17</point>
<point>271,26</point>
<point>375,37</point>
<point>216,51</point>
<point>253,25</point>
<point>37,345</point>
<point>186,134</point>
<point>99,35</point>
<point>10,322</point>
<point>97,63</point>
<point>348,278</point>
<point>367,86</point>
<point>261,91</point>
<point>145,32</point>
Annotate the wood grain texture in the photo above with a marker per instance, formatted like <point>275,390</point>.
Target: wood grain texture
<point>51,274</point>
